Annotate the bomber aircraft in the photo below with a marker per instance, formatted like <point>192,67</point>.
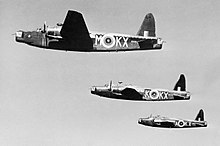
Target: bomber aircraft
<point>73,35</point>
<point>130,92</point>
<point>164,122</point>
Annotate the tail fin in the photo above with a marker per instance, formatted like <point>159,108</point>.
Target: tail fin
<point>181,84</point>
<point>200,116</point>
<point>147,27</point>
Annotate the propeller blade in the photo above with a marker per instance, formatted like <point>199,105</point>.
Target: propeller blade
<point>110,85</point>
<point>45,27</point>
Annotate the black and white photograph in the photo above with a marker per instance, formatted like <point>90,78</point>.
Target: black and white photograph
<point>109,73</point>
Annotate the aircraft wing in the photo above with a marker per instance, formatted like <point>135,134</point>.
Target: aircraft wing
<point>132,93</point>
<point>74,29</point>
<point>165,122</point>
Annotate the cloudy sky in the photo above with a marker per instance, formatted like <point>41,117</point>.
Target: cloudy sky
<point>45,97</point>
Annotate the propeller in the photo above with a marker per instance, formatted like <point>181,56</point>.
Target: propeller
<point>110,86</point>
<point>45,27</point>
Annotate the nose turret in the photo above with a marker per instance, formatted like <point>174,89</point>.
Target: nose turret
<point>93,89</point>
<point>19,36</point>
<point>145,121</point>
<point>140,121</point>
<point>24,37</point>
<point>100,90</point>
<point>33,38</point>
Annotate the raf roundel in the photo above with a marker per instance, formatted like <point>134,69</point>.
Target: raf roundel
<point>154,94</point>
<point>181,123</point>
<point>108,41</point>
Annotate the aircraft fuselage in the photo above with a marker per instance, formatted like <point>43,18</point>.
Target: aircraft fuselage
<point>139,94</point>
<point>102,42</point>
<point>171,123</point>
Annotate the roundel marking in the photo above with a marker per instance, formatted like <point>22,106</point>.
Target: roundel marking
<point>108,41</point>
<point>181,123</point>
<point>154,94</point>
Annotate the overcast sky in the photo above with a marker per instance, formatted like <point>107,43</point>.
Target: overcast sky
<point>45,97</point>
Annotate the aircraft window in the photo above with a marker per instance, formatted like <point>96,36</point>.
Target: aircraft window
<point>56,33</point>
<point>50,33</point>
<point>59,24</point>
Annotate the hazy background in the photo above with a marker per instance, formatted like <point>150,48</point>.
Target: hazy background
<point>45,97</point>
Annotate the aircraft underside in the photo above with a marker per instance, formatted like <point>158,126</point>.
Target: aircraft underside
<point>176,124</point>
<point>86,46</point>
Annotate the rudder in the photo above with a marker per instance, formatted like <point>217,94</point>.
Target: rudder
<point>147,27</point>
<point>200,116</point>
<point>181,84</point>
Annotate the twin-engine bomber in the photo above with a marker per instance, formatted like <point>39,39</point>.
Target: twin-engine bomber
<point>130,92</point>
<point>73,35</point>
<point>164,122</point>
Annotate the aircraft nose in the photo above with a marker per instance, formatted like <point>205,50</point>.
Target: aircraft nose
<point>93,89</point>
<point>139,121</point>
<point>145,121</point>
<point>19,36</point>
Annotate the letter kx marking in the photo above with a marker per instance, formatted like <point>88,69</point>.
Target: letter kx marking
<point>120,41</point>
<point>162,95</point>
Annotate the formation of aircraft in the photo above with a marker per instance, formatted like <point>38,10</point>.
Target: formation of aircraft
<point>130,92</point>
<point>164,122</point>
<point>73,35</point>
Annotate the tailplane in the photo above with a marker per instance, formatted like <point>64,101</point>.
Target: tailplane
<point>181,84</point>
<point>147,28</point>
<point>200,116</point>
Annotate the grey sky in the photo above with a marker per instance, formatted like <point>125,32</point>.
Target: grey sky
<point>45,97</point>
